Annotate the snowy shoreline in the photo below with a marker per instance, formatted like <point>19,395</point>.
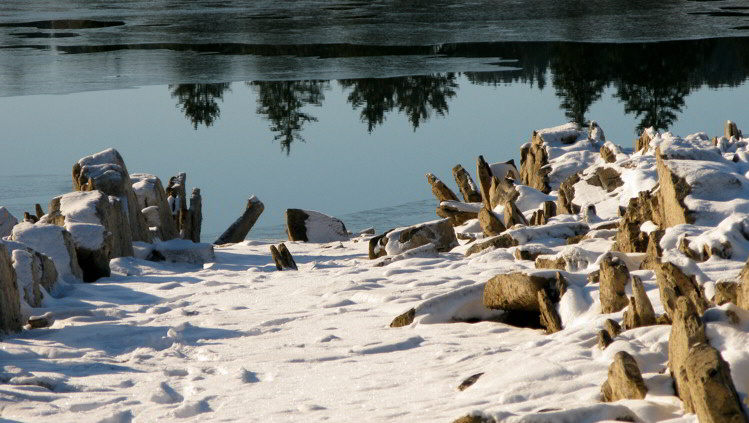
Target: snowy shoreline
<point>182,331</point>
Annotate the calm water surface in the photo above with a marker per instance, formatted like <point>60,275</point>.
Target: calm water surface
<point>342,107</point>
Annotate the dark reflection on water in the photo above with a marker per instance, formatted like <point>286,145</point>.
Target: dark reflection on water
<point>652,80</point>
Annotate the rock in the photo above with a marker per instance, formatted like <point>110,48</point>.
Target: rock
<point>731,130</point>
<point>575,239</point>
<point>624,381</point>
<point>194,222</point>
<point>653,251</point>
<point>93,247</point>
<point>33,270</point>
<point>640,312</point>
<point>484,175</point>
<point>490,222</point>
<point>150,193</point>
<point>614,277</point>
<point>53,241</point>
<point>612,328</point>
<point>238,230</point>
<point>151,213</point>
<point>39,211</point>
<point>474,419</point>
<point>643,208</point>
<point>542,216</point>
<point>533,168</point>
<point>607,155</point>
<point>502,241</point>
<point>440,190</point>
<point>282,257</point>
<point>437,232</point>
<point>7,222</point>
<point>566,194</point>
<point>425,251</point>
<point>505,170</point>
<point>550,318</point>
<point>711,388</point>
<point>607,178</point>
<point>10,298</point>
<point>687,330</point>
<point>176,197</point>
<point>513,216</point>
<point>377,246</point>
<point>467,187</point>
<point>673,190</point>
<point>404,319</point>
<point>519,291</point>
<point>105,171</point>
<point>276,255</point>
<point>684,248</point>
<point>530,253</point>
<point>742,291</point>
<point>723,250</point>
<point>643,143</point>
<point>458,213</point>
<point>30,218</point>
<point>312,226</point>
<point>469,381</point>
<point>594,276</point>
<point>182,251</point>
<point>551,262</point>
<point>673,283</point>
<point>502,191</point>
<point>726,292</point>
<point>44,321</point>
<point>590,215</point>
<point>604,339</point>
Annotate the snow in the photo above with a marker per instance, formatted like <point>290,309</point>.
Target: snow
<point>322,228</point>
<point>217,334</point>
<point>48,240</point>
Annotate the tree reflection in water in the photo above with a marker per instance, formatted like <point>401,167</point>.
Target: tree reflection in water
<point>198,101</point>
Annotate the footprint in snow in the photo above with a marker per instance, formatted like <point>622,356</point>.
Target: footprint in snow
<point>192,408</point>
<point>165,394</point>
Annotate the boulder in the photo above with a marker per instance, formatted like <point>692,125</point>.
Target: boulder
<point>490,222</point>
<point>687,330</point>
<point>604,339</point>
<point>612,328</point>
<point>467,187</point>
<point>726,292</point>
<point>534,171</point>
<point>105,171</point>
<point>7,222</point>
<point>182,251</point>
<point>613,279</point>
<point>377,246</point>
<point>673,190</point>
<point>150,193</point>
<point>404,319</point>
<point>550,318</point>
<point>513,216</point>
<point>624,381</point>
<point>437,232</point>
<point>730,130</point>
<point>531,253</point>
<point>566,194</point>
<point>10,299</point>
<point>176,197</point>
<point>502,191</point>
<point>550,262</point>
<point>673,283</point>
<point>312,226</point>
<point>519,291</point>
<point>502,241</point>
<point>458,212</point>
<point>711,388</point>
<point>605,177</point>
<point>93,248</point>
<point>607,154</point>
<point>44,321</point>
<point>238,230</point>
<point>640,311</point>
<point>504,170</point>
<point>33,270</point>
<point>484,175</point>
<point>440,190</point>
<point>38,210</point>
<point>53,241</point>
<point>643,208</point>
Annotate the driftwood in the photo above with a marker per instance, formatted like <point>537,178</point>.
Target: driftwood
<point>238,230</point>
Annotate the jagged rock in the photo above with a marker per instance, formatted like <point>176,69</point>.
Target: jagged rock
<point>176,197</point>
<point>505,170</point>
<point>607,178</point>
<point>437,232</point>
<point>614,277</point>
<point>604,339</point>
<point>502,191</point>
<point>624,381</point>
<point>467,187</point>
<point>684,248</point>
<point>687,330</point>
<point>490,223</point>
<point>105,171</point>
<point>673,190</point>
<point>53,241</point>
<point>39,211</point>
<point>470,380</point>
<point>613,328</point>
<point>629,237</point>
<point>643,142</point>
<point>640,312</point>
<point>731,130</point>
<point>458,213</point>
<point>194,222</point>
<point>10,299</point>
<point>440,190</point>
<point>519,291</point>
<point>551,262</point>
<point>526,253</point>
<point>547,211</point>
<point>238,230</point>
<point>533,169</point>
<point>312,226</point>
<point>404,319</point>
<point>484,175</point>
<point>30,218</point>
<point>513,216</point>
<point>653,251</point>
<point>282,257</point>
<point>7,222</point>
<point>182,251</point>
<point>711,388</point>
<point>276,255</point>
<point>377,246</point>
<point>550,318</point>
<point>726,292</point>
<point>566,194</point>
<point>502,241</point>
<point>150,193</point>
<point>673,283</point>
<point>607,155</point>
<point>723,250</point>
<point>742,292</point>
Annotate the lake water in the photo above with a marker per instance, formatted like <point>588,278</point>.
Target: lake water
<point>343,107</point>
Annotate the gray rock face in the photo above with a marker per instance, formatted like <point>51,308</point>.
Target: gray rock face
<point>490,222</point>
<point>438,232</point>
<point>673,190</point>
<point>673,284</point>
<point>150,192</point>
<point>502,241</point>
<point>106,171</point>
<point>7,222</point>
<point>312,226</point>
<point>468,188</point>
<point>238,230</point>
<point>10,300</point>
<point>624,381</point>
<point>687,330</point>
<point>711,389</point>
<point>519,291</point>
<point>53,241</point>
<point>440,190</point>
<point>640,312</point>
<point>613,279</point>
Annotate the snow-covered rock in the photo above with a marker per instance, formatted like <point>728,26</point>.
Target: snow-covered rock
<point>151,194</point>
<point>10,305</point>
<point>177,251</point>
<point>312,226</point>
<point>437,232</point>
<point>7,221</point>
<point>53,241</point>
